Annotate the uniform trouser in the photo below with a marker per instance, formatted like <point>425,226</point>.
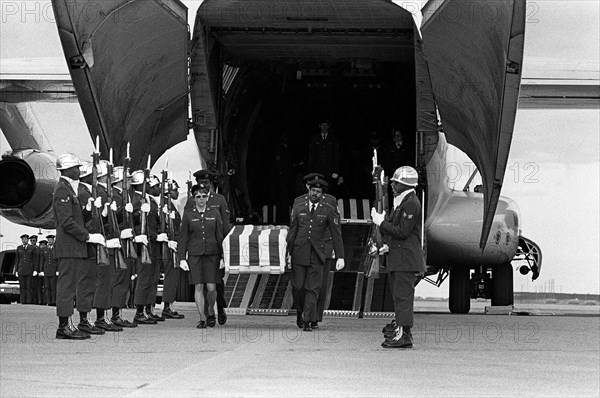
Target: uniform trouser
<point>40,291</point>
<point>25,289</point>
<point>104,283</point>
<point>35,290</point>
<point>323,290</point>
<point>144,283</point>
<point>403,292</point>
<point>86,284</point>
<point>154,279</point>
<point>50,289</point>
<point>120,284</point>
<point>171,282</point>
<point>66,284</point>
<point>306,283</point>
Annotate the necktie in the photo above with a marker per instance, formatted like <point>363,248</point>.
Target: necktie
<point>312,209</point>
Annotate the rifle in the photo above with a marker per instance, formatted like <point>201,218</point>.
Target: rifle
<point>145,254</point>
<point>172,223</point>
<point>113,224</point>
<point>163,217</point>
<point>374,260</point>
<point>101,251</point>
<point>130,251</point>
<point>189,184</point>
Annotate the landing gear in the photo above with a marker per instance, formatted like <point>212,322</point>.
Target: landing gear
<point>502,285</point>
<point>460,290</point>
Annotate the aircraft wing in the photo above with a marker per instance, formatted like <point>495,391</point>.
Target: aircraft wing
<point>474,51</point>
<point>128,60</point>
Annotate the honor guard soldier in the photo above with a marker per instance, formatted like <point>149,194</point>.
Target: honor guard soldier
<point>87,272</point>
<point>50,270</point>
<point>156,239</point>
<point>145,272</point>
<point>74,244</point>
<point>308,251</point>
<point>405,261</point>
<point>24,270</point>
<point>172,269</point>
<point>122,277</point>
<point>42,249</point>
<point>215,201</point>
<point>332,201</point>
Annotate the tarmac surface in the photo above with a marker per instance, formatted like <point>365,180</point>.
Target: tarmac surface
<point>454,355</point>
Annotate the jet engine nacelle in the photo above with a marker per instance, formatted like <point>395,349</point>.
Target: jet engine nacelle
<point>27,181</point>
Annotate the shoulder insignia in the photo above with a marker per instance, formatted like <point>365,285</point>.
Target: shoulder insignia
<point>336,220</point>
<point>65,200</point>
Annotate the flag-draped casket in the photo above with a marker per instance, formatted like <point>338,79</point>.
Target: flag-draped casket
<point>255,249</point>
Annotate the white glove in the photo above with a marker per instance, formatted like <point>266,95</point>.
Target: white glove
<point>88,205</point>
<point>98,202</point>
<point>17,274</point>
<point>126,233</point>
<point>384,249</point>
<point>34,273</point>
<point>97,239</point>
<point>129,208</point>
<point>143,239</point>
<point>288,261</point>
<point>173,245</point>
<point>222,264</point>
<point>339,264</point>
<point>133,277</point>
<point>376,217</point>
<point>165,209</point>
<point>105,210</point>
<point>41,273</point>
<point>184,265</point>
<point>172,215</point>
<point>335,176</point>
<point>162,237</point>
<point>146,207</point>
<point>56,273</point>
<point>113,243</point>
<point>113,206</point>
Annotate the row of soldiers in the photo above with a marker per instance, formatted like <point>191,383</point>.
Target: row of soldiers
<point>37,270</point>
<point>135,223</point>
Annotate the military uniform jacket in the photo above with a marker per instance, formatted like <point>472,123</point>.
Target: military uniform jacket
<point>329,199</point>
<point>49,264</point>
<point>324,156</point>
<point>402,232</point>
<point>71,234</point>
<point>200,233</point>
<point>152,220</point>
<point>308,232</point>
<point>26,263</point>
<point>215,201</point>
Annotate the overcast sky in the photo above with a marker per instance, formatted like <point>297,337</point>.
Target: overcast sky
<point>554,163</point>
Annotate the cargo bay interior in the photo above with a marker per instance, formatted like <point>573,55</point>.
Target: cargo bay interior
<point>285,71</point>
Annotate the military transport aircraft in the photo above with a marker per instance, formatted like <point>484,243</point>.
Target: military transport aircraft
<point>256,66</point>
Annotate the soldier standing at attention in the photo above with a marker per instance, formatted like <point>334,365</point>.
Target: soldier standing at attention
<point>306,246</point>
<point>324,155</point>
<point>215,201</point>
<point>35,281</point>
<point>24,269</point>
<point>73,243</point>
<point>405,259</point>
<point>50,269</point>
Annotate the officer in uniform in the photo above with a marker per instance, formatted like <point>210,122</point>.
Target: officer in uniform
<point>42,249</point>
<point>325,155</point>
<point>122,277</point>
<point>405,261</point>
<point>24,270</point>
<point>331,200</point>
<point>172,269</point>
<point>74,244</point>
<point>218,202</point>
<point>50,270</point>
<point>35,280</point>
<point>308,251</point>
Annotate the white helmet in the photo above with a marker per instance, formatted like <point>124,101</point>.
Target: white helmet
<point>406,175</point>
<point>85,169</point>
<point>117,175</point>
<point>102,168</point>
<point>66,161</point>
<point>137,177</point>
